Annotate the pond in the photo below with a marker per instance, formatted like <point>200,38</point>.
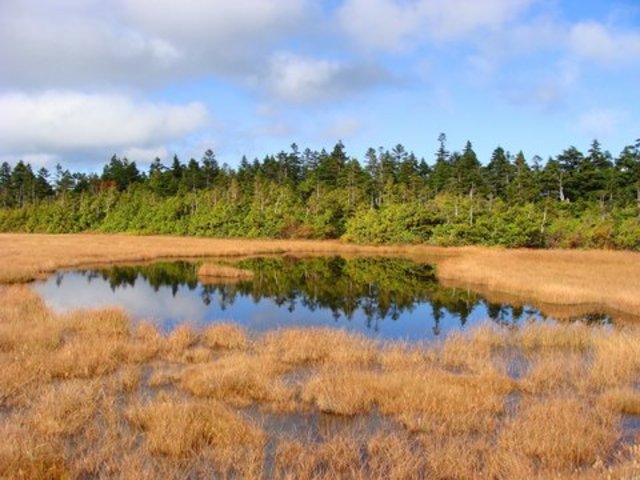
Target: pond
<point>387,298</point>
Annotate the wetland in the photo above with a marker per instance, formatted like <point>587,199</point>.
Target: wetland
<point>148,358</point>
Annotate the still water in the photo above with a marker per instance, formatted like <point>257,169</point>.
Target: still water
<point>379,297</point>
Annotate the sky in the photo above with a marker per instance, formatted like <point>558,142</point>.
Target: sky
<point>81,80</point>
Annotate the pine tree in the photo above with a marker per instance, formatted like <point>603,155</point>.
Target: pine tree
<point>372,167</point>
<point>628,173</point>
<point>467,176</point>
<point>43,188</point>
<point>595,175</point>
<point>522,189</point>
<point>570,162</point>
<point>23,183</point>
<point>499,173</point>
<point>210,168</point>
<point>5,185</point>
<point>442,170</point>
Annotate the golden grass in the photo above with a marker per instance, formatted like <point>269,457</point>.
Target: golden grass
<point>561,371</point>
<point>393,456</point>
<point>91,395</point>
<point>240,378</point>
<point>472,351</point>
<point>560,434</point>
<point>544,336</point>
<point>23,455</point>
<point>179,428</point>
<point>213,271</point>
<point>186,429</point>
<point>337,458</point>
<point>444,403</point>
<point>343,392</point>
<point>228,336</point>
<point>181,338</point>
<point>625,400</point>
<point>64,408</point>
<point>304,346</point>
<point>606,278</point>
<point>616,359</point>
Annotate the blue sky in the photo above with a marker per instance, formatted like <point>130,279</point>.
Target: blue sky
<point>83,79</point>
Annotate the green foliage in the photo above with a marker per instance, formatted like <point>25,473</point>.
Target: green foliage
<point>574,201</point>
<point>396,223</point>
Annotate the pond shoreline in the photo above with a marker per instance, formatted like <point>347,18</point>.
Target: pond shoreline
<point>380,297</point>
<point>561,277</point>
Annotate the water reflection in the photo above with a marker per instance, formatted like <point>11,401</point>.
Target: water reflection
<point>391,298</point>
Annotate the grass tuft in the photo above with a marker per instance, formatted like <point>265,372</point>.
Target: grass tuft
<point>228,336</point>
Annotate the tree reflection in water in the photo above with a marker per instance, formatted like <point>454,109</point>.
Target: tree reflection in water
<point>381,288</point>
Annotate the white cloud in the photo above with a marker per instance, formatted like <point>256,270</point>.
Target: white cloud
<point>215,21</point>
<point>53,122</point>
<point>399,24</point>
<point>68,43</point>
<point>594,41</point>
<point>301,79</point>
<point>66,47</point>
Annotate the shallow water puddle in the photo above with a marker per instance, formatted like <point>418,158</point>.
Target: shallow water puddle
<point>386,298</point>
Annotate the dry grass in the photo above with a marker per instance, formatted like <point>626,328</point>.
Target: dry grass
<point>560,434</point>
<point>343,392</point>
<point>444,403</point>
<point>23,454</point>
<point>240,378</point>
<point>625,400</point>
<point>64,408</point>
<point>91,395</point>
<point>606,278</point>
<point>616,359</point>
<point>214,272</point>
<point>561,371</point>
<point>228,336</point>
<point>181,338</point>
<point>179,428</point>
<point>574,337</point>
<point>304,346</point>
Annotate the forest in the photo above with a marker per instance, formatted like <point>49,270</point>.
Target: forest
<point>572,200</point>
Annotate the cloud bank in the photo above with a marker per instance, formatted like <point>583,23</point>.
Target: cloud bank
<point>58,122</point>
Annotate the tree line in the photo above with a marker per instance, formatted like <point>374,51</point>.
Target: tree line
<point>574,199</point>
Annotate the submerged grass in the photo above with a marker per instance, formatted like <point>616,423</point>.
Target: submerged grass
<point>91,395</point>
